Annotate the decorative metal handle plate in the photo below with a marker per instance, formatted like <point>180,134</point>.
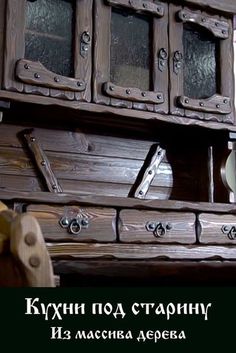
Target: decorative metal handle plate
<point>74,223</point>
<point>162,59</point>
<point>159,229</point>
<point>85,41</point>
<point>230,231</point>
<point>177,62</point>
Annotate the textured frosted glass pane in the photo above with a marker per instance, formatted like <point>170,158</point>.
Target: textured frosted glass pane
<point>49,34</point>
<point>200,65</point>
<point>130,49</point>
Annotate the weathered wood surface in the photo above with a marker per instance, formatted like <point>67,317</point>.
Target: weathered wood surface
<point>156,8</point>
<point>133,227</point>
<point>212,232</point>
<point>120,202</point>
<point>102,223</point>
<point>226,5</point>
<point>2,33</point>
<point>142,251</point>
<point>215,104</point>
<point>115,112</point>
<point>149,272</point>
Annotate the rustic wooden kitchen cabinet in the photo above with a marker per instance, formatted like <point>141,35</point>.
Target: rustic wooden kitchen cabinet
<point>117,122</point>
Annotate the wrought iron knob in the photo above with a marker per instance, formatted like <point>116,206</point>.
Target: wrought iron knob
<point>230,231</point>
<point>159,229</point>
<point>85,37</point>
<point>75,227</point>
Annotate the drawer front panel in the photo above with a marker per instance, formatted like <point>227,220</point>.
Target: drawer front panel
<point>75,223</point>
<point>156,227</point>
<point>217,229</point>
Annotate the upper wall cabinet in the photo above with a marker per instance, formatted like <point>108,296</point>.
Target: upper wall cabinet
<point>48,48</point>
<point>165,58</point>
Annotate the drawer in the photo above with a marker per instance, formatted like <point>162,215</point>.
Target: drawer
<point>156,227</point>
<point>217,229</point>
<point>74,223</point>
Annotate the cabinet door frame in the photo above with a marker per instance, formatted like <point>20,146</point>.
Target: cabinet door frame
<point>26,76</point>
<point>219,107</point>
<point>105,92</point>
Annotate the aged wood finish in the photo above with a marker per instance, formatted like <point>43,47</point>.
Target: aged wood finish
<point>160,42</point>
<point>42,162</point>
<point>133,227</point>
<point>113,113</point>
<point>156,9</point>
<point>226,6</point>
<point>2,32</point>
<point>35,73</point>
<point>219,28</point>
<point>119,202</point>
<point>101,223</point>
<point>217,229</point>
<point>215,104</point>
<point>132,94</point>
<point>83,65</point>
<point>142,251</point>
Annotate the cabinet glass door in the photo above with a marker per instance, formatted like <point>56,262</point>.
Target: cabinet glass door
<point>131,54</point>
<point>200,65</point>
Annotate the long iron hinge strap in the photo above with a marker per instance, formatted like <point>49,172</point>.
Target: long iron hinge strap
<point>148,171</point>
<point>42,162</point>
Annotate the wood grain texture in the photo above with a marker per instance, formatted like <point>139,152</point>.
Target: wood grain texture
<point>42,162</point>
<point>215,104</point>
<point>211,228</point>
<point>83,65</point>
<point>102,223</point>
<point>142,251</point>
<point>226,6</point>
<point>118,202</point>
<point>218,28</point>
<point>132,94</point>
<point>161,77</point>
<point>2,39</point>
<point>156,9</point>
<point>176,45</point>
<point>132,227</point>
<point>14,45</point>
<point>35,73</point>
<point>115,113</point>
<point>101,73</point>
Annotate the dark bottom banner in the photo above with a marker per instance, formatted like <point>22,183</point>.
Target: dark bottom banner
<point>163,319</point>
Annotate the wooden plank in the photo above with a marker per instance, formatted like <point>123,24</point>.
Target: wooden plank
<point>118,202</point>
<point>217,229</point>
<point>42,162</point>
<point>176,46</point>
<point>14,47</point>
<point>156,9</point>
<point>142,251</point>
<point>178,227</point>
<point>102,15</point>
<point>160,42</point>
<point>215,104</point>
<point>101,223</point>
<point>19,182</point>
<point>111,112</point>
<point>83,64</point>
<point>226,6</point>
<point>79,141</point>
<point>2,37</point>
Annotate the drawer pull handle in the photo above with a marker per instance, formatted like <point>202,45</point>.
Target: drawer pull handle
<point>159,229</point>
<point>230,231</point>
<point>74,225</point>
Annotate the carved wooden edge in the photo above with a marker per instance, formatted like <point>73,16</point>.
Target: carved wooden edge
<point>140,5</point>
<point>115,202</point>
<point>219,28</point>
<point>42,162</point>
<point>148,172</point>
<point>215,104</point>
<point>116,112</point>
<point>35,73</point>
<point>28,247</point>
<point>143,251</point>
<point>132,94</point>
